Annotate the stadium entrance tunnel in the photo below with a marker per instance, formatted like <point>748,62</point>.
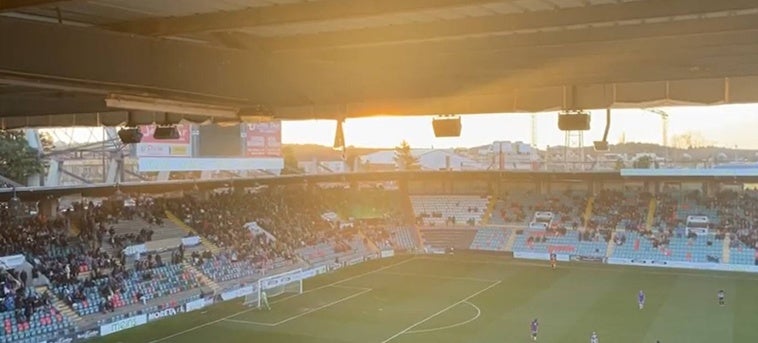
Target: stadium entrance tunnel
<point>460,315</point>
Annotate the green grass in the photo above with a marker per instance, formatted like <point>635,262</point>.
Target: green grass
<point>481,298</point>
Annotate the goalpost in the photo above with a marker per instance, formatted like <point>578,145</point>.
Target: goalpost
<point>275,285</point>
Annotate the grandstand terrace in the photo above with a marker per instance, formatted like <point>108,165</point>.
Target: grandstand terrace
<point>82,266</point>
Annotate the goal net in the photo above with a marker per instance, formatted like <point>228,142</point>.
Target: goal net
<point>275,285</point>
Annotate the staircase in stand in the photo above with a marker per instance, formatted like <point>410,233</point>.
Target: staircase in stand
<point>204,279</point>
<point>73,229</point>
<point>61,306</point>
<point>488,212</point>
<point>588,210</point>
<point>510,242</point>
<point>370,243</point>
<point>726,252</point>
<point>419,237</point>
<point>651,213</point>
<point>611,245</point>
<point>206,243</point>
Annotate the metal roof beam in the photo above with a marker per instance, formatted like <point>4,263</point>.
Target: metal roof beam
<point>15,5</point>
<point>505,23</point>
<point>111,62</point>
<point>301,12</point>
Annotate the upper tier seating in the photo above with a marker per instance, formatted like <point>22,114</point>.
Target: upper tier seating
<point>615,210</point>
<point>519,208</point>
<point>449,209</point>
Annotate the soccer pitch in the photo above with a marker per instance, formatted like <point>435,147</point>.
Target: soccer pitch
<point>481,298</point>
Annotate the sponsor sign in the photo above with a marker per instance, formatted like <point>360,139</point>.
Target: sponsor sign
<point>87,334</point>
<point>355,261</point>
<point>237,293</point>
<point>684,265</point>
<point>123,324</point>
<point>320,270</point>
<point>151,147</point>
<point>165,313</point>
<point>387,253</point>
<point>586,258</point>
<point>263,139</point>
<point>539,256</point>
<point>198,304</point>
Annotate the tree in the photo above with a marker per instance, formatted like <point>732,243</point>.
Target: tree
<point>620,164</point>
<point>290,161</point>
<point>644,162</point>
<point>690,140</point>
<point>404,159</point>
<point>18,160</point>
<point>47,141</point>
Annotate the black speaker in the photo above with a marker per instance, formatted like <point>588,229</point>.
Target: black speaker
<point>447,127</point>
<point>574,122</point>
<point>166,132</point>
<point>130,135</point>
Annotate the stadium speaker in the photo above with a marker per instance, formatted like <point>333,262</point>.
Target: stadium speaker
<point>166,132</point>
<point>574,122</point>
<point>130,135</point>
<point>447,126</point>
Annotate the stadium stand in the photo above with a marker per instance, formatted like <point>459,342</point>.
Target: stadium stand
<point>519,208</point>
<point>490,239</point>
<point>285,227</point>
<point>448,237</point>
<point>449,210</point>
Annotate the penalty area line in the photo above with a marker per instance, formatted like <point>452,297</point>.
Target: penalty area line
<point>404,331</point>
<point>283,299</point>
<point>304,313</point>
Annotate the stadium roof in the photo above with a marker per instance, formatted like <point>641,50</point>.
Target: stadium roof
<point>298,59</point>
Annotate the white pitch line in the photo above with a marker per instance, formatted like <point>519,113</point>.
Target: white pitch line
<point>443,277</point>
<point>304,313</point>
<point>478,313</point>
<point>283,299</point>
<point>352,287</point>
<point>440,312</point>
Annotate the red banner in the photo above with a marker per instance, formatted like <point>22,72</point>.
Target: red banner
<point>148,130</point>
<point>263,139</point>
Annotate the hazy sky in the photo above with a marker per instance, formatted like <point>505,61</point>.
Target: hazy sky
<point>722,125</point>
<point>725,126</point>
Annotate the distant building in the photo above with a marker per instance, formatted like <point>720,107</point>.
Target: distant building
<point>429,159</point>
<point>323,167</point>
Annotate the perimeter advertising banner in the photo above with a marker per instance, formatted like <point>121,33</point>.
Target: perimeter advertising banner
<point>151,147</point>
<point>263,139</point>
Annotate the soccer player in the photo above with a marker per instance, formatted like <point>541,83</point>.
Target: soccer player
<point>553,260</point>
<point>721,296</point>
<point>535,327</point>
<point>641,299</point>
<point>593,338</point>
<point>264,301</point>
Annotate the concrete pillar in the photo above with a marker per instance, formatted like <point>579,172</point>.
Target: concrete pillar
<point>48,208</point>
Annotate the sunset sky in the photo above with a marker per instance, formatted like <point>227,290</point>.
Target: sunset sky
<point>722,125</point>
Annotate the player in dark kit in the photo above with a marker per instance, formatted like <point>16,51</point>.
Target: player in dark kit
<point>553,260</point>
<point>722,296</point>
<point>534,326</point>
